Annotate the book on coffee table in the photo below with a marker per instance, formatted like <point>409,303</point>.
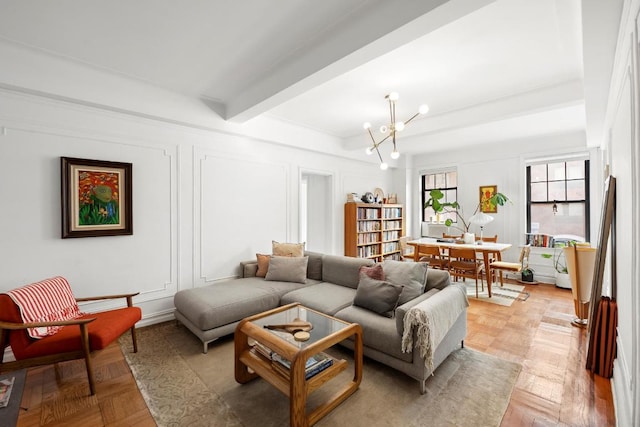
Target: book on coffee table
<point>5,391</point>
<point>314,365</point>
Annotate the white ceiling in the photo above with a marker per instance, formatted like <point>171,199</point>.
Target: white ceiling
<point>489,70</point>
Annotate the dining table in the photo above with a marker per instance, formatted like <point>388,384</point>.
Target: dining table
<point>487,249</point>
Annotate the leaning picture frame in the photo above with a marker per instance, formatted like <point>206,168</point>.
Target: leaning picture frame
<point>96,198</point>
<point>486,192</point>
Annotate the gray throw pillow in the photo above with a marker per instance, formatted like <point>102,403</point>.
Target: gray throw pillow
<point>287,269</point>
<point>411,275</point>
<point>377,295</point>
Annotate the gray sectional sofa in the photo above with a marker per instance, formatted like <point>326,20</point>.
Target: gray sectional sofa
<point>331,281</point>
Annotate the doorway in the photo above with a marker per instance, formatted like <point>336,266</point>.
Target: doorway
<point>316,211</point>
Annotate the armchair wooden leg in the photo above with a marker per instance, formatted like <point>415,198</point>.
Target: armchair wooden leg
<point>135,340</point>
<point>84,336</point>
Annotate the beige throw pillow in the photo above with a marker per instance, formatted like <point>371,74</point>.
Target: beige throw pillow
<point>287,249</point>
<point>287,269</point>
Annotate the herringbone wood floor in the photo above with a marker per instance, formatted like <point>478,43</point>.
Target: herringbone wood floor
<point>553,389</point>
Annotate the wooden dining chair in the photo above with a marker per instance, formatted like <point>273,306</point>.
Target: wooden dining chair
<point>490,239</point>
<point>493,256</point>
<point>512,267</point>
<point>464,263</point>
<point>406,251</point>
<point>432,255</point>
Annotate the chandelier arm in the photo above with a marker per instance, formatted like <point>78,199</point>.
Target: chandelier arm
<point>378,152</point>
<point>412,117</point>
<point>372,138</point>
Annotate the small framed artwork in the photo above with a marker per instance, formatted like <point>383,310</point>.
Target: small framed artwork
<point>96,198</point>
<point>486,192</point>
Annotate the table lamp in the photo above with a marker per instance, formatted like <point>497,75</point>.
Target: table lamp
<point>481,219</point>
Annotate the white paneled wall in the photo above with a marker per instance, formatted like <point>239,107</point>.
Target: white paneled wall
<point>203,200</point>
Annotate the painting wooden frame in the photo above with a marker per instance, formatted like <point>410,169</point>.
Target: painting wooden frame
<point>96,198</point>
<point>486,191</point>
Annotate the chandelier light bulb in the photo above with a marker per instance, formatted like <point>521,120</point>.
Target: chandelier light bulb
<point>395,154</point>
<point>368,151</point>
<point>383,129</point>
<point>393,96</point>
<point>399,126</point>
<point>384,166</point>
<point>366,125</point>
<point>424,109</point>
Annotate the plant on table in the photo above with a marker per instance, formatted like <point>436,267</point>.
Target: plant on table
<point>435,202</point>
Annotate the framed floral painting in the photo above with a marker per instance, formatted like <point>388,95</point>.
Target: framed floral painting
<point>486,192</point>
<point>96,198</point>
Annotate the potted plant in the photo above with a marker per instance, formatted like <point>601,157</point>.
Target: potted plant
<point>560,263</point>
<point>434,202</point>
<point>526,274</point>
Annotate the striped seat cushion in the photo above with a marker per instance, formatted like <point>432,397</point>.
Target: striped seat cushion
<point>49,300</point>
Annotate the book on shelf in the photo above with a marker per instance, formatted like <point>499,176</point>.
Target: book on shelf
<point>314,365</point>
<point>6,386</point>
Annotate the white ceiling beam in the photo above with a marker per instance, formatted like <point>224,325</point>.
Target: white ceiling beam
<point>353,42</point>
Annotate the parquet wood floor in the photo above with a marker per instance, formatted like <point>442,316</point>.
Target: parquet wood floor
<point>553,388</point>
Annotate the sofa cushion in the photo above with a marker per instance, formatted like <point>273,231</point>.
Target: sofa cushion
<point>314,267</point>
<point>287,249</point>
<point>437,279</point>
<point>343,270</point>
<point>287,269</point>
<point>325,297</point>
<point>411,275</point>
<point>225,302</point>
<point>378,332</point>
<point>377,295</point>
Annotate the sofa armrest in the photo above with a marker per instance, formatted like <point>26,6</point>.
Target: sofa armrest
<point>401,310</point>
<point>248,268</point>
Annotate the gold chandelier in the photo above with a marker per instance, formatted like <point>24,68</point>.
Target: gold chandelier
<point>389,131</point>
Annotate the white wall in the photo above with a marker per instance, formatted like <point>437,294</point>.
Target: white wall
<point>622,155</point>
<point>203,200</point>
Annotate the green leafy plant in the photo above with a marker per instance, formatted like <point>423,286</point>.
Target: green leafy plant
<point>559,260</point>
<point>435,202</point>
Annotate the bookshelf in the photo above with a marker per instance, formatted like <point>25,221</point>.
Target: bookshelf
<point>373,230</point>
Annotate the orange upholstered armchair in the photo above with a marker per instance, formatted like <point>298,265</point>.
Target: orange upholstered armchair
<point>55,329</point>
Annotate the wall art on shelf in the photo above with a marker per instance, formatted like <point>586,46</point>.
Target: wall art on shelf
<point>486,191</point>
<point>96,198</point>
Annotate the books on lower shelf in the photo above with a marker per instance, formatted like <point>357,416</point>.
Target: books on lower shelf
<point>6,386</point>
<point>314,365</point>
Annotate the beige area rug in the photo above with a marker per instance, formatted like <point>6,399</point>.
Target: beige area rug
<point>184,387</point>
<point>504,295</point>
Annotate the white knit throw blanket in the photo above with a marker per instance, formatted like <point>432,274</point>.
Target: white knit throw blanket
<point>432,319</point>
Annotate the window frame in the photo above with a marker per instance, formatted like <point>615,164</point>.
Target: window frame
<point>424,191</point>
<point>586,200</point>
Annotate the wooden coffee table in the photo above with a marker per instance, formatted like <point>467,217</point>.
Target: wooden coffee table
<point>326,332</point>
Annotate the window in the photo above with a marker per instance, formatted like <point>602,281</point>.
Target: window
<point>558,199</point>
<point>447,182</point>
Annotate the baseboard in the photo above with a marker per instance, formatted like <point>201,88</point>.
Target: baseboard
<point>156,318</point>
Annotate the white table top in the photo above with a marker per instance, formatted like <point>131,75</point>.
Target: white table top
<point>478,246</point>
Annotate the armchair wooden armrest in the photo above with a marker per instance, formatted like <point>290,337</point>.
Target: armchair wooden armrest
<point>16,326</point>
<point>129,298</point>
